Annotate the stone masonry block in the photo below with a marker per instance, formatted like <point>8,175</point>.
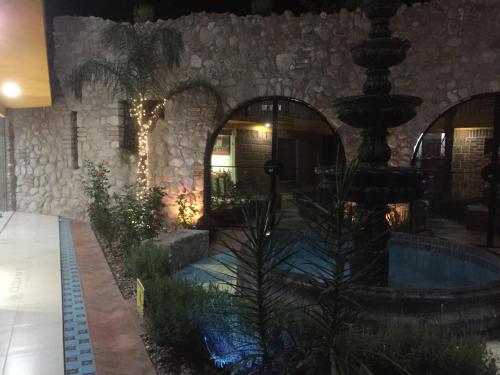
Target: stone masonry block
<point>185,246</point>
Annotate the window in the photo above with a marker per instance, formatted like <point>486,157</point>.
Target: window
<point>74,140</point>
<point>129,141</point>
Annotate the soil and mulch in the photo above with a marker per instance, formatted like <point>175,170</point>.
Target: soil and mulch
<point>165,360</point>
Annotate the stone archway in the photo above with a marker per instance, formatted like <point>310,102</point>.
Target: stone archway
<point>460,149</point>
<point>292,134</point>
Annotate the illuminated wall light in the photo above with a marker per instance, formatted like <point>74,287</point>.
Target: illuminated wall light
<point>11,89</point>
<point>268,125</point>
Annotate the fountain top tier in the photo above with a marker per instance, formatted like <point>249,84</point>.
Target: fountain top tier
<point>377,110</point>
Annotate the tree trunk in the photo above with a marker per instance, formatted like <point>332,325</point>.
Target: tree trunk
<point>142,165</point>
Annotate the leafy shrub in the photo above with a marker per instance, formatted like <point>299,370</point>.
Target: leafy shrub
<point>235,196</point>
<point>101,215</point>
<point>148,261</point>
<point>392,351</point>
<point>312,357</point>
<point>226,206</point>
<point>187,209</point>
<point>139,219</point>
<point>121,220</point>
<point>173,312</point>
<point>430,350</point>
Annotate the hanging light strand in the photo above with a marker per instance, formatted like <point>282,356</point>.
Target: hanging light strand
<point>145,121</point>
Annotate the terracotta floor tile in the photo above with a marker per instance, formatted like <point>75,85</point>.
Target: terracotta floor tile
<point>113,324</point>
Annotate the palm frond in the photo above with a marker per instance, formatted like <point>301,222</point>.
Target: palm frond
<point>141,56</point>
<point>95,71</point>
<point>169,46</point>
<point>120,38</point>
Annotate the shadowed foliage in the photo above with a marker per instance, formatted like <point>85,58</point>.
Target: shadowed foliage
<point>262,254</point>
<point>335,225</point>
<point>141,56</point>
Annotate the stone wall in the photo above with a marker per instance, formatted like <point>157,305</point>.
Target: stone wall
<point>45,178</point>
<point>177,147</point>
<point>455,55</point>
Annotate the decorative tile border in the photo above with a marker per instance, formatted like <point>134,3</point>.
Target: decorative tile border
<point>78,356</point>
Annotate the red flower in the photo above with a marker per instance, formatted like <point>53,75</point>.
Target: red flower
<point>99,174</point>
<point>154,215</point>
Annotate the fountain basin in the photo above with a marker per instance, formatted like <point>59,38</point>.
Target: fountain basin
<point>430,281</point>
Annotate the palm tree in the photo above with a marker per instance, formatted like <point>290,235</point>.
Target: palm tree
<point>142,56</point>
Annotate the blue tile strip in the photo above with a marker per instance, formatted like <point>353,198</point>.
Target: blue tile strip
<point>78,356</point>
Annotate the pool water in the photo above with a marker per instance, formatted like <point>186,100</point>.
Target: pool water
<point>408,268</point>
<point>414,268</point>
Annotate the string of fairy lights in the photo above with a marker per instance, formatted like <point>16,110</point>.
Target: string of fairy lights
<point>145,121</point>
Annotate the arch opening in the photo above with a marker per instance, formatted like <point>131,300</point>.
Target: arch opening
<point>267,148</point>
<point>460,149</point>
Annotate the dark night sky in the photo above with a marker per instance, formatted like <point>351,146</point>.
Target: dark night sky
<point>122,9</point>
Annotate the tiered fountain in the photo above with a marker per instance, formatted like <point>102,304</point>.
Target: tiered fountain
<point>405,278</point>
<point>377,184</point>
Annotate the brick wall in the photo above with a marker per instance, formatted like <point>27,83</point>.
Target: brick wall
<point>253,149</point>
<point>468,160</point>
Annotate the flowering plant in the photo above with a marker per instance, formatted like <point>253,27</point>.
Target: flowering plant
<point>187,208</point>
<point>96,188</point>
<point>121,220</point>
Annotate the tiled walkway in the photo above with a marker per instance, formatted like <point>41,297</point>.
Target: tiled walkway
<point>78,356</point>
<point>31,331</point>
<point>32,313</point>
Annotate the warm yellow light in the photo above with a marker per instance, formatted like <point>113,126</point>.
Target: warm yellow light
<point>145,122</point>
<point>11,89</point>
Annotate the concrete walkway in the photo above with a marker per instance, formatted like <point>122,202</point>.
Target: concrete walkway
<point>31,326</point>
